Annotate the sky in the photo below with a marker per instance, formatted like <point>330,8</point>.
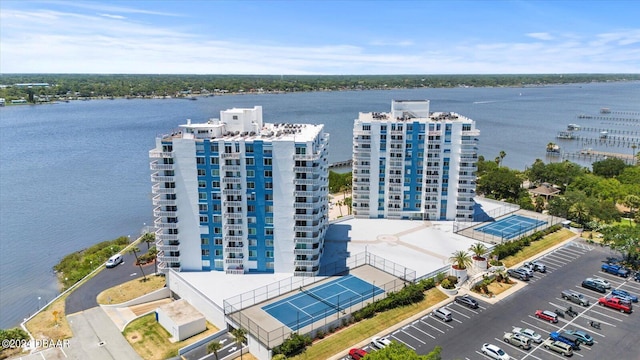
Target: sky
<point>319,37</point>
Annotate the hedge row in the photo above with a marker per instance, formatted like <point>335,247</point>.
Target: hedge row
<point>511,247</point>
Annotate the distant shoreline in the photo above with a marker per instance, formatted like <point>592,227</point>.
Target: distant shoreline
<point>196,96</point>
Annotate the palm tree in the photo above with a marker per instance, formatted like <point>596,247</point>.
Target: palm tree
<point>135,250</point>
<point>460,259</point>
<point>539,204</point>
<point>478,250</point>
<point>213,347</point>
<point>502,155</point>
<point>241,336</point>
<point>149,238</point>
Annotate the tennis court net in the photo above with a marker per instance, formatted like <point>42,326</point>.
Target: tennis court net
<point>310,293</point>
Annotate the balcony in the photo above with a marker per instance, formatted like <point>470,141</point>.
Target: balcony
<point>233,203</point>
<point>234,250</point>
<point>168,259</point>
<point>234,261</point>
<point>304,205</point>
<point>156,189</point>
<point>308,252</point>
<point>159,201</point>
<point>157,212</point>
<point>165,237</point>
<point>233,227</point>
<point>306,157</point>
<point>230,155</point>
<point>155,154</point>
<point>305,240</point>
<point>228,238</point>
<point>160,224</point>
<point>234,215</point>
<point>234,271</point>
<point>233,192</point>
<point>232,180</point>
<point>304,193</point>
<point>155,166</point>
<point>159,178</point>
<point>304,169</point>
<point>305,263</point>
<point>230,167</point>
<point>168,248</point>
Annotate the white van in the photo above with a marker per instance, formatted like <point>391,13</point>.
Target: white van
<point>114,261</point>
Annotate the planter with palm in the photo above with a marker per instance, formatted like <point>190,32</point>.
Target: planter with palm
<point>460,262</point>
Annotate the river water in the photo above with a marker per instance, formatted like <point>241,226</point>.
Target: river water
<point>74,174</point>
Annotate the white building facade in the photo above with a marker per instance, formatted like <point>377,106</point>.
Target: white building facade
<point>414,164</point>
<point>238,195</point>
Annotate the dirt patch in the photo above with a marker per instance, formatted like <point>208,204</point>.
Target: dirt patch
<point>51,323</point>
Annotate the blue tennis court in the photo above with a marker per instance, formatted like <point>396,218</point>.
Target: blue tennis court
<point>511,226</point>
<point>314,304</point>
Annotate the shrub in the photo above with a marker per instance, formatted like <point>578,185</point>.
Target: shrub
<point>440,277</point>
<point>446,284</point>
<point>293,345</point>
<point>320,334</point>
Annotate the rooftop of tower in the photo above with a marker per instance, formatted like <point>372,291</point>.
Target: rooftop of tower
<point>408,116</point>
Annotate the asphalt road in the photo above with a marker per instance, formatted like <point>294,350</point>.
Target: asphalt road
<point>567,266</point>
<point>84,297</point>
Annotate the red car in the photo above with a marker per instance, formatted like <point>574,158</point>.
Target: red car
<point>615,303</point>
<point>357,354</point>
<point>547,315</point>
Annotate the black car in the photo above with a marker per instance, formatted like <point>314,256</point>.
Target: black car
<point>467,301</point>
<point>591,285</point>
<point>518,274</point>
<point>636,277</point>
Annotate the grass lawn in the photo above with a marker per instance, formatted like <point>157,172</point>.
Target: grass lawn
<point>348,337</point>
<point>51,323</point>
<point>151,341</point>
<point>539,246</point>
<point>131,290</point>
<point>496,288</point>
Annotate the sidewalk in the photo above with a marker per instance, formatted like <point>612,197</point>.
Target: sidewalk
<point>461,291</point>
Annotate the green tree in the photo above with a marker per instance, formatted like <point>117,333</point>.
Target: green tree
<point>149,238</point>
<point>135,250</point>
<point>609,167</point>
<point>632,202</point>
<point>501,183</point>
<point>478,249</point>
<point>502,155</point>
<point>626,240</point>
<point>539,204</point>
<point>460,259</point>
<point>241,337</point>
<point>214,347</point>
<point>399,351</point>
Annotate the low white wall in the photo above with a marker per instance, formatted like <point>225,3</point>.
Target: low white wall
<point>153,296</point>
<point>211,311</point>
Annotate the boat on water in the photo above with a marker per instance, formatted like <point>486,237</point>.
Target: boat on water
<point>566,135</point>
<point>553,149</point>
<point>573,127</point>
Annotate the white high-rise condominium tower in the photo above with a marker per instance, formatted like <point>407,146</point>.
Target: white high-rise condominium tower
<point>413,164</point>
<point>238,195</point>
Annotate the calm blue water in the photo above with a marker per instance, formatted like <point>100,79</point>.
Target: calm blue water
<point>74,174</point>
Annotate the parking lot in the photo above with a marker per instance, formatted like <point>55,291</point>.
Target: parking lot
<point>567,266</point>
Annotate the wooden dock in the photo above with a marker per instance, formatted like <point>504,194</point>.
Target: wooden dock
<point>594,155</point>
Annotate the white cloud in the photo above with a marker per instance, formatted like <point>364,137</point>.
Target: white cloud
<point>109,43</point>
<point>541,36</point>
<point>119,17</point>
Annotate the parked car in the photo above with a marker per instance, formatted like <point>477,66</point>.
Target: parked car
<point>536,265</point>
<point>526,270</point>
<point>547,315</point>
<point>380,342</point>
<point>467,300</point>
<point>558,346</point>
<point>602,282</point>
<point>636,277</point>
<point>582,336</point>
<point>443,314</point>
<point>575,297</point>
<point>615,303</point>
<point>615,270</point>
<point>357,354</point>
<point>518,340</point>
<point>494,352</point>
<point>592,285</point>
<point>534,336</point>
<point>514,273</point>
<point>622,293</point>
<point>565,338</point>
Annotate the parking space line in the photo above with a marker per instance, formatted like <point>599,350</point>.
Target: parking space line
<point>422,331</point>
<point>610,276</point>
<point>458,312</point>
<point>609,316</point>
<point>400,340</point>
<point>466,308</point>
<point>557,262</point>
<point>456,320</point>
<point>514,347</point>
<point>571,249</point>
<point>403,330</point>
<point>426,323</point>
<point>564,257</point>
<point>534,326</point>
